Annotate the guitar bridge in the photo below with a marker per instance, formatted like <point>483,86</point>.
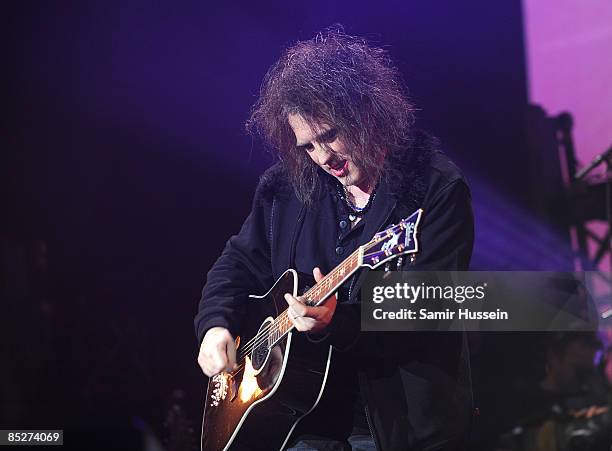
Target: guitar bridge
<point>219,388</point>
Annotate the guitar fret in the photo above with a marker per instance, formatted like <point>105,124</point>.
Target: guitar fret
<point>323,289</point>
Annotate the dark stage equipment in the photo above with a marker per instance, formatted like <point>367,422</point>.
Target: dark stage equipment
<point>569,199</point>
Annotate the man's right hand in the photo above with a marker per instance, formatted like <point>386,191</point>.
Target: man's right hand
<point>217,352</point>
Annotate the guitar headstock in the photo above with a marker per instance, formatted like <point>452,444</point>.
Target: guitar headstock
<point>395,240</point>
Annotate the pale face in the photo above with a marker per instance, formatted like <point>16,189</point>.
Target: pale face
<point>333,158</point>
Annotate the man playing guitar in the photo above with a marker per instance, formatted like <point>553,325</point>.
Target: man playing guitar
<point>334,111</point>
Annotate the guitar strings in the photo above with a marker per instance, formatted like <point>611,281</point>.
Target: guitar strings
<point>259,339</point>
<point>275,325</point>
<point>264,334</point>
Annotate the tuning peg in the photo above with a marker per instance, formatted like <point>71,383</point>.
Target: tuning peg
<point>399,262</point>
<point>387,270</point>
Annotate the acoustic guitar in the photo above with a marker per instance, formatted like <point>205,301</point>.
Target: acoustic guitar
<point>281,376</point>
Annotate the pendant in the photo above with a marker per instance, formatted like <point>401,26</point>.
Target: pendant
<point>352,217</point>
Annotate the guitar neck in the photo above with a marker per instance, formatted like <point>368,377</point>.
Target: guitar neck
<point>336,277</point>
<point>395,240</point>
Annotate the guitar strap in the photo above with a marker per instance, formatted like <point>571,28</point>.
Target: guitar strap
<point>296,232</point>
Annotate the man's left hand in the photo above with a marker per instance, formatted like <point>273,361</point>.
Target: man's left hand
<point>311,319</point>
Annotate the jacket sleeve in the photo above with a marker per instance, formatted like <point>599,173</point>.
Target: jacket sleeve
<point>243,268</point>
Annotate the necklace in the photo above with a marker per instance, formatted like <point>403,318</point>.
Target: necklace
<point>355,211</point>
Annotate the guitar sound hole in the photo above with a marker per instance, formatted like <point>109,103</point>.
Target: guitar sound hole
<point>259,355</point>
<point>260,352</point>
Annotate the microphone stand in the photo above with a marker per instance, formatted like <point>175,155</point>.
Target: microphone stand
<point>605,156</point>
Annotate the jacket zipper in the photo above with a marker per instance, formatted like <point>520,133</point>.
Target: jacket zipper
<point>365,404</point>
<point>353,279</point>
<point>370,427</point>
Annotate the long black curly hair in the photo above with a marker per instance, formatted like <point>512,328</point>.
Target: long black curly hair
<point>343,81</point>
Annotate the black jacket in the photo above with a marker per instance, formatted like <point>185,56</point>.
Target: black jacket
<point>431,370</point>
